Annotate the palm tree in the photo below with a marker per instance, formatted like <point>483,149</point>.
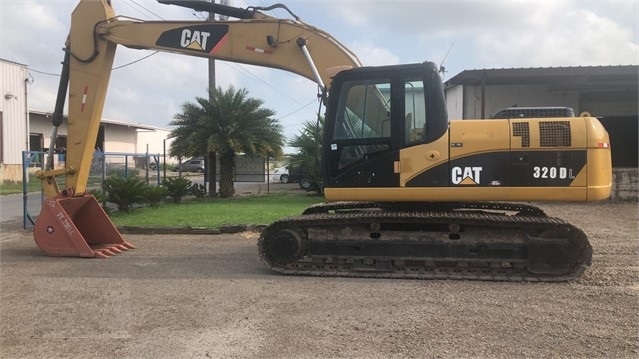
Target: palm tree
<point>226,123</point>
<point>309,142</point>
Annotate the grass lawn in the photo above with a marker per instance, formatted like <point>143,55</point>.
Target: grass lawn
<point>34,184</point>
<point>215,213</point>
<point>16,187</point>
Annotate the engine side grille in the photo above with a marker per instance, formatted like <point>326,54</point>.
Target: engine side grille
<point>554,134</point>
<point>522,129</point>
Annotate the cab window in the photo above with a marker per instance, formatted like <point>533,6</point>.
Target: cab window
<point>415,112</point>
<point>364,110</point>
<point>363,124</point>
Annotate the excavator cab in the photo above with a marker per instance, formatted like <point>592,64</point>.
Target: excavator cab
<point>375,112</point>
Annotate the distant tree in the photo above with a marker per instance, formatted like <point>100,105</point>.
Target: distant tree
<point>226,123</point>
<point>309,144</point>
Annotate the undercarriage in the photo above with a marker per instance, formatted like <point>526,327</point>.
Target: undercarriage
<point>464,240</point>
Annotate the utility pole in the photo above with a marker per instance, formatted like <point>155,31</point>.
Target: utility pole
<point>212,61</point>
<point>212,85</point>
<point>211,166</point>
<point>212,157</point>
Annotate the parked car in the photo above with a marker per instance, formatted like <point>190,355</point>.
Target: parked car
<point>295,174</point>
<point>195,164</point>
<point>307,181</point>
<point>280,174</point>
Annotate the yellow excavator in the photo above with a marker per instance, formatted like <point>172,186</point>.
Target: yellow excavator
<point>409,193</point>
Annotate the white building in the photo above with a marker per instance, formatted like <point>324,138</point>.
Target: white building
<point>113,136</point>
<point>14,124</point>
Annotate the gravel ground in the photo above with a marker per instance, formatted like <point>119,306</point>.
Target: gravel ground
<point>210,297</point>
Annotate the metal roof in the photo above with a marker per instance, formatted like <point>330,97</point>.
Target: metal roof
<point>107,121</point>
<point>579,77</point>
<point>13,62</point>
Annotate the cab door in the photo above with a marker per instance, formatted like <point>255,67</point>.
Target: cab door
<point>364,146</point>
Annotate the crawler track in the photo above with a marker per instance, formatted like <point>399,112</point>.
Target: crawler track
<point>448,241</point>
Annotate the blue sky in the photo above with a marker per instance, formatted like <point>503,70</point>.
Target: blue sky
<point>474,34</point>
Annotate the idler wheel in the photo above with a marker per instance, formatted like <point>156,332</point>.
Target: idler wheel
<point>283,246</point>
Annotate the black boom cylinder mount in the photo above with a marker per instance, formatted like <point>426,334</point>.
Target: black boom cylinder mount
<point>62,90</point>
<point>220,9</point>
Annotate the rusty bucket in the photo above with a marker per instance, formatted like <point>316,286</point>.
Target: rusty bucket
<point>77,227</point>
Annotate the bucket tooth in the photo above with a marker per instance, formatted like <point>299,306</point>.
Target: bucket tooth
<point>100,254</point>
<point>106,251</point>
<point>115,249</point>
<point>77,227</point>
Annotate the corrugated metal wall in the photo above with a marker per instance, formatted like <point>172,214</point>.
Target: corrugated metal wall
<point>455,102</point>
<point>524,95</point>
<point>13,105</point>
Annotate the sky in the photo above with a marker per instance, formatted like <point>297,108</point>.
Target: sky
<point>461,35</point>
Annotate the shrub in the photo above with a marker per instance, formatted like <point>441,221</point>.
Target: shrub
<point>177,187</point>
<point>198,190</point>
<point>155,195</point>
<point>125,192</point>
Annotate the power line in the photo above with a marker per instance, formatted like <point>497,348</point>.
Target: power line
<point>266,83</point>
<point>145,15</point>
<point>156,15</point>
<point>298,110</point>
<point>133,62</point>
<point>44,73</point>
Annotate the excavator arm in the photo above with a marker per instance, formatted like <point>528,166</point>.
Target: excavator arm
<point>260,40</point>
<point>256,39</point>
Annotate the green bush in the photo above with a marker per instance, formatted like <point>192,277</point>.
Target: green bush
<point>125,192</point>
<point>177,187</point>
<point>198,190</point>
<point>155,195</point>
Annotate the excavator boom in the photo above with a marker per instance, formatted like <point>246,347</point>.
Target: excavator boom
<point>264,41</point>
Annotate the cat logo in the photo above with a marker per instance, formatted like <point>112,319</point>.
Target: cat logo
<point>194,40</point>
<point>208,38</point>
<point>466,175</point>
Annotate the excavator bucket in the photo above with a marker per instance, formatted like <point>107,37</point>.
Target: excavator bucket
<point>77,227</point>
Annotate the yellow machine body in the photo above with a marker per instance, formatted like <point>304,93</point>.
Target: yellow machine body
<point>481,157</point>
